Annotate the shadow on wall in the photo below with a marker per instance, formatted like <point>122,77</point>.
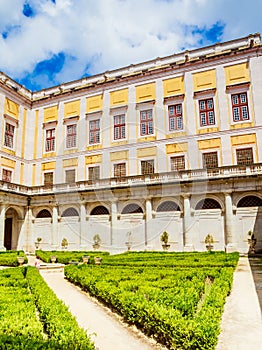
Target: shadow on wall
<point>258,230</point>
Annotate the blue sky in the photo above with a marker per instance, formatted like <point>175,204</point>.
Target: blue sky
<point>44,43</point>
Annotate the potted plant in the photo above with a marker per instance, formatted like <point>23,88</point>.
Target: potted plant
<point>97,260</point>
<point>164,239</point>
<point>128,241</point>
<point>209,241</point>
<point>38,241</point>
<point>53,259</point>
<point>64,243</point>
<point>20,259</point>
<point>97,241</point>
<point>85,259</point>
<point>251,241</point>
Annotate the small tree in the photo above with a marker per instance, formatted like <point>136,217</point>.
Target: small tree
<point>64,243</point>
<point>164,239</point>
<point>97,241</point>
<point>209,241</point>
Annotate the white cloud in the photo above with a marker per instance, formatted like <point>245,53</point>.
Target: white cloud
<point>108,34</point>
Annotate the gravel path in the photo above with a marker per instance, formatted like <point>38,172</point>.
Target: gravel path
<point>106,329</point>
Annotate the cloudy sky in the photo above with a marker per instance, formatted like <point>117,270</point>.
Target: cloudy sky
<point>47,42</point>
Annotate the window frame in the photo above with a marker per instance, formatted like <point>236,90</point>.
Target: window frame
<point>94,120</point>
<point>48,184</point>
<point>205,111</point>
<point>146,122</point>
<point>7,179</point>
<point>119,126</point>
<point>99,171</point>
<point>14,126</point>
<point>240,106</point>
<point>70,136</point>
<point>119,164</point>
<point>175,117</point>
<point>147,161</point>
<point>177,156</point>
<point>242,148</point>
<point>75,172</point>
<point>209,153</point>
<point>48,129</point>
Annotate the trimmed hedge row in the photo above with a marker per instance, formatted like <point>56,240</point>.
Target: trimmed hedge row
<point>180,307</point>
<point>65,257</point>
<point>9,258</point>
<point>35,318</point>
<point>61,327</point>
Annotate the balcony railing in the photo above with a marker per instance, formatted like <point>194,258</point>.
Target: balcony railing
<point>138,180</point>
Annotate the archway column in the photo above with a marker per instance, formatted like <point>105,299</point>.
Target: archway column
<point>148,218</point>
<point>55,226</point>
<point>82,222</point>
<point>188,245</point>
<point>2,226</point>
<point>231,244</point>
<point>113,221</point>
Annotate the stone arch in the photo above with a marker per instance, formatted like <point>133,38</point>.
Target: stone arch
<point>12,228</point>
<point>70,212</point>
<point>168,206</point>
<point>249,201</point>
<point>44,213</point>
<point>207,203</point>
<point>132,208</point>
<point>99,210</point>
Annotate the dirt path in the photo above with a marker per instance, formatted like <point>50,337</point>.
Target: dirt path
<point>106,329</point>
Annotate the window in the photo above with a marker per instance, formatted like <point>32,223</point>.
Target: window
<point>50,140</point>
<point>48,179</point>
<point>240,107</point>
<point>94,131</point>
<point>70,176</point>
<point>206,112</point>
<point>9,135</point>
<point>177,163</point>
<point>175,117</point>
<point>119,127</point>
<point>7,175</point>
<point>94,173</point>
<point>210,160</point>
<point>120,170</point>
<point>71,136</point>
<point>244,156</point>
<point>147,167</point>
<point>146,123</point>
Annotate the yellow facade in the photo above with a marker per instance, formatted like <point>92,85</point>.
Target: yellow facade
<point>94,104</point>
<point>121,155</point>
<point>50,114</point>
<point>174,86</point>
<point>11,108</point>
<point>236,74</point>
<point>204,80</point>
<point>118,98</point>
<point>146,152</point>
<point>72,109</point>
<point>145,92</point>
<point>176,148</point>
<point>73,162</point>
<point>93,159</point>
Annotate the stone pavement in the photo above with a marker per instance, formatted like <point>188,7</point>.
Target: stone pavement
<point>241,322</point>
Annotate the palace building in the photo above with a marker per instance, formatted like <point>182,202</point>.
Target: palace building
<point>170,144</point>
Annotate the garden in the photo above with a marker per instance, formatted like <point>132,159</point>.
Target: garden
<point>175,298</point>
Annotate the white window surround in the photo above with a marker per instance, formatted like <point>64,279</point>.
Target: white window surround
<point>48,126</point>
<point>14,122</point>
<point>116,111</point>
<point>92,117</point>
<point>205,95</point>
<point>145,106</point>
<point>237,89</point>
<point>146,159</point>
<point>210,150</point>
<point>177,155</point>
<point>116,163</point>
<point>238,147</point>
